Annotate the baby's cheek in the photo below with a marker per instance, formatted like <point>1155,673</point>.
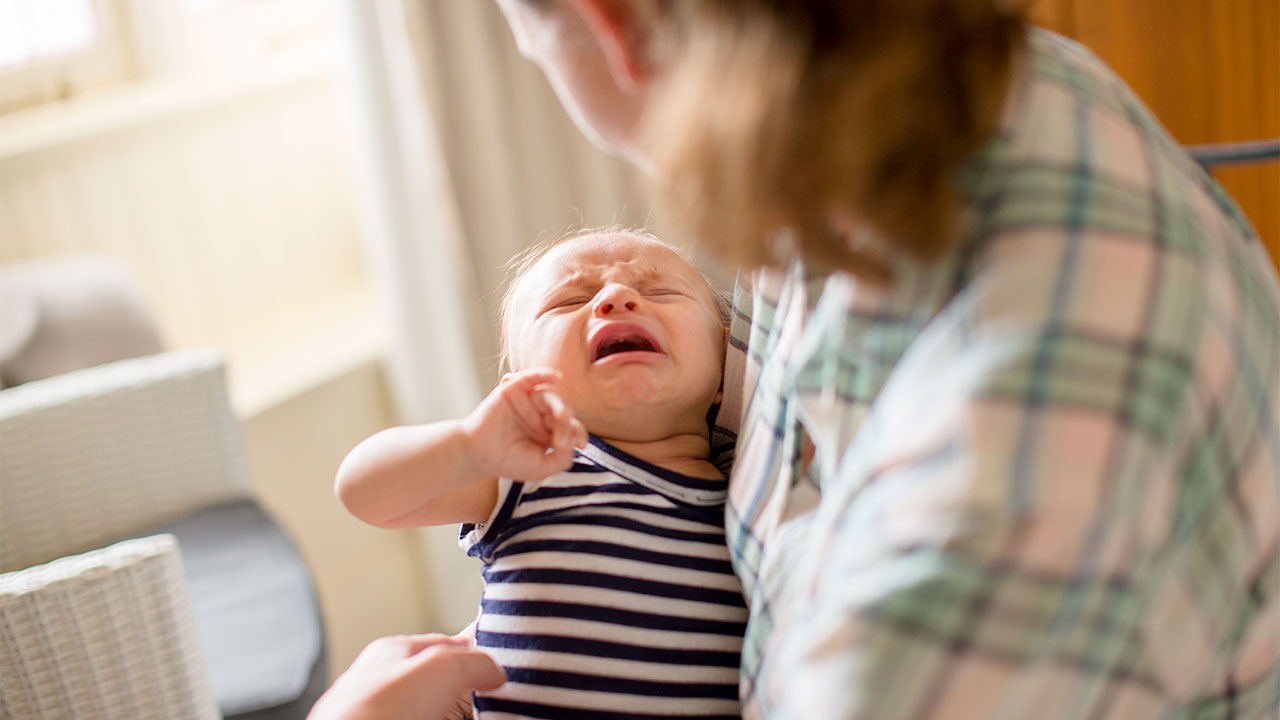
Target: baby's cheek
<point>547,345</point>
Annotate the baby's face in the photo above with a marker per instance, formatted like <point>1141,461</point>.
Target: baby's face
<point>633,328</point>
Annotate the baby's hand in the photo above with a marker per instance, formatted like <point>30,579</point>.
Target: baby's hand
<point>523,429</point>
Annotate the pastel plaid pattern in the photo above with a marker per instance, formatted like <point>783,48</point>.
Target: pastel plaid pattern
<point>1037,479</point>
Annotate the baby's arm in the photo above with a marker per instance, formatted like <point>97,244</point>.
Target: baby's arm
<point>446,472</point>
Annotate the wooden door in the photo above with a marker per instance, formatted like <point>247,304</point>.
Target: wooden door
<point>1209,69</point>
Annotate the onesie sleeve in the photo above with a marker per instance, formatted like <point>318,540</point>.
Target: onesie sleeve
<point>479,540</point>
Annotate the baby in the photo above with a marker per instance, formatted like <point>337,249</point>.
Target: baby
<point>583,484</point>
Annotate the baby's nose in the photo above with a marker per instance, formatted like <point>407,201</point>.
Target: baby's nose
<point>614,300</point>
<point>604,307</point>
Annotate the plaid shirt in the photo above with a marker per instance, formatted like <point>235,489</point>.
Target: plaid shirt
<point>1037,479</point>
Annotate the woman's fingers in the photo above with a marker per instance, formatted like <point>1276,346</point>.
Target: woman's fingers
<point>414,644</point>
<point>462,666</point>
<point>408,676</point>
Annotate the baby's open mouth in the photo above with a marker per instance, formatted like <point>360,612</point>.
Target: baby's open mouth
<point>621,338</point>
<point>624,345</point>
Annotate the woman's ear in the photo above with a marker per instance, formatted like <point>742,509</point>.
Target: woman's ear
<point>619,32</point>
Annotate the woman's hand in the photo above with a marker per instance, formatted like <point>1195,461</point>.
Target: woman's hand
<point>523,429</point>
<point>408,676</point>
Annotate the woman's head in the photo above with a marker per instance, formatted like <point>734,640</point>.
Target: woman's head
<point>767,115</point>
<point>577,47</point>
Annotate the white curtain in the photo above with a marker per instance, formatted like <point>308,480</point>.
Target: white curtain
<point>463,156</point>
<point>413,239</point>
<point>519,168</point>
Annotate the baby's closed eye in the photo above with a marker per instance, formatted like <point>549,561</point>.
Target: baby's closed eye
<point>663,292</point>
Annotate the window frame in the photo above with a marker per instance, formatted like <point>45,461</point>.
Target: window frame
<point>108,60</point>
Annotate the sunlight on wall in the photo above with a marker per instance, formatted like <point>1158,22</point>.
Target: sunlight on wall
<point>237,216</point>
<point>228,193</point>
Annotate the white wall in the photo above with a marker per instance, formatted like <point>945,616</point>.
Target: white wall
<point>370,582</point>
<point>519,168</point>
<point>232,200</point>
<point>233,206</point>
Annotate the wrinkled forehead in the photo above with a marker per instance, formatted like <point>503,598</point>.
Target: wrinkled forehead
<point>590,258</point>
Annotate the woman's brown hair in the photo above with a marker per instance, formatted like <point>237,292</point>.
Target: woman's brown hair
<point>776,117</point>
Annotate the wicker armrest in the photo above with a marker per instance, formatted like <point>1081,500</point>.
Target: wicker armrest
<point>95,455</point>
<point>106,634</point>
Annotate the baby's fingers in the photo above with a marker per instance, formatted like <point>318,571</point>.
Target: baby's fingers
<point>529,415</point>
<point>524,393</point>
<point>566,431</point>
<point>554,404</point>
<point>578,434</point>
<point>560,455</point>
<point>574,432</point>
<point>528,380</point>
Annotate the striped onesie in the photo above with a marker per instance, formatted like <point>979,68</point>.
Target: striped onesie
<point>609,594</point>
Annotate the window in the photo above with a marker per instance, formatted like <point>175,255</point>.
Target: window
<point>53,49</point>
<point>57,49</point>
<point>32,31</point>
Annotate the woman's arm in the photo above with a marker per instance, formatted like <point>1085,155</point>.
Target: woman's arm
<point>1042,515</point>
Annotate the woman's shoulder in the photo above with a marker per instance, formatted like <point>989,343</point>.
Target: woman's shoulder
<point>1084,184</point>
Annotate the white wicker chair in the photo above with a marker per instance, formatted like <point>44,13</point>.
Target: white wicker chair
<point>126,450</point>
<point>106,634</point>
<point>93,455</point>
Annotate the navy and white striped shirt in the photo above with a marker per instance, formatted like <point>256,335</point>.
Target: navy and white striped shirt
<point>609,594</point>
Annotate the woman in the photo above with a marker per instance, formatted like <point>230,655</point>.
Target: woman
<point>1005,371</point>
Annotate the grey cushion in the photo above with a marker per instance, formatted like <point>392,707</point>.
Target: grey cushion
<point>69,312</point>
<point>255,610</point>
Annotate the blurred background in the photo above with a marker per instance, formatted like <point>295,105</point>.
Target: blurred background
<point>327,193</point>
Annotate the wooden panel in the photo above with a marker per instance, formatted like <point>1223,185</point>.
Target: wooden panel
<point>1057,15</point>
<point>1209,69</point>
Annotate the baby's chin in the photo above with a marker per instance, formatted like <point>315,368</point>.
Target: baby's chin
<point>642,423</point>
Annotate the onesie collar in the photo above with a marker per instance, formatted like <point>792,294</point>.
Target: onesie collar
<point>682,488</point>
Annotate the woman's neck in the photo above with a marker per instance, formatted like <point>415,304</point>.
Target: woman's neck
<point>685,454</point>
